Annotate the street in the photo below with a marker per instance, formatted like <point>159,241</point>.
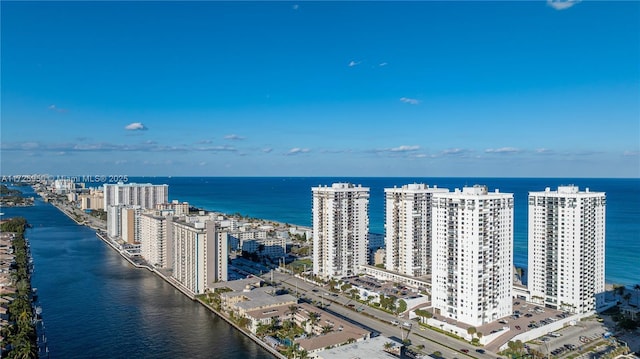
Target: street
<point>378,320</point>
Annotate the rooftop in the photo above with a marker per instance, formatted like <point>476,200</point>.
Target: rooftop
<point>370,349</point>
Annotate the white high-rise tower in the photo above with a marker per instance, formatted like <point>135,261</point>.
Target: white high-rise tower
<point>145,195</point>
<point>340,229</point>
<point>408,228</point>
<point>472,255</point>
<point>566,248</point>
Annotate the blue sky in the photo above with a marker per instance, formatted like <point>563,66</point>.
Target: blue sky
<point>478,89</point>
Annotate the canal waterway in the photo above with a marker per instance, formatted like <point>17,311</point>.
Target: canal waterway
<point>97,305</point>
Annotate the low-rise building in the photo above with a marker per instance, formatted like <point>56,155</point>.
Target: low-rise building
<point>373,348</point>
<point>328,330</point>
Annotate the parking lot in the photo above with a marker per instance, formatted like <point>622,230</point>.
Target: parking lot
<point>525,316</point>
<point>571,338</point>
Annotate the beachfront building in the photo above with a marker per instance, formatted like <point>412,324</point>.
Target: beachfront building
<point>472,255</point>
<point>93,200</point>
<point>199,254</point>
<point>408,228</point>
<point>145,195</point>
<point>340,229</point>
<point>566,248</point>
<point>156,238</point>
<point>178,208</point>
<point>271,247</point>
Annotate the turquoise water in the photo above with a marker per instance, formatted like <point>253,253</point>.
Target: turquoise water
<point>288,199</point>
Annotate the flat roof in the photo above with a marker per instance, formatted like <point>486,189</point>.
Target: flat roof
<point>369,349</point>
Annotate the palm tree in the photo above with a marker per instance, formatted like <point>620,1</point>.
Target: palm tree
<point>262,329</point>
<point>293,310</point>
<point>471,331</point>
<point>423,314</point>
<point>355,295</point>
<point>637,289</point>
<point>303,354</point>
<point>388,345</point>
<point>314,318</point>
<point>369,299</point>
<point>327,329</point>
<point>332,285</point>
<point>274,324</point>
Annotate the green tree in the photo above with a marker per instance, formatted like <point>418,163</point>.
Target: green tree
<point>293,310</point>
<point>423,314</point>
<point>471,331</point>
<point>314,317</point>
<point>402,306</point>
<point>327,329</point>
<point>345,287</point>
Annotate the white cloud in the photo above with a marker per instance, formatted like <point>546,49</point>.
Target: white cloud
<point>383,64</point>
<point>631,153</point>
<point>354,63</point>
<point>411,101</point>
<point>295,7</point>
<point>502,150</point>
<point>404,148</point>
<point>454,151</point>
<point>216,149</point>
<point>543,151</point>
<point>297,150</point>
<point>267,150</point>
<point>56,108</point>
<point>233,137</point>
<point>135,126</point>
<point>562,4</point>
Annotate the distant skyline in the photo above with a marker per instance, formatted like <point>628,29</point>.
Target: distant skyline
<point>414,89</point>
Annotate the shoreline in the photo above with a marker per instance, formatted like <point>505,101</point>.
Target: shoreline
<point>123,253</point>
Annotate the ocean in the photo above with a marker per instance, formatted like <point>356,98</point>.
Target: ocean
<point>288,200</point>
<point>96,305</point>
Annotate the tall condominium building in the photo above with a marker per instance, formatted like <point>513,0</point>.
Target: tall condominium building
<point>145,195</point>
<point>566,248</point>
<point>340,229</point>
<point>199,254</point>
<point>472,254</point>
<point>114,221</point>
<point>130,224</point>
<point>408,228</point>
<point>156,238</point>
